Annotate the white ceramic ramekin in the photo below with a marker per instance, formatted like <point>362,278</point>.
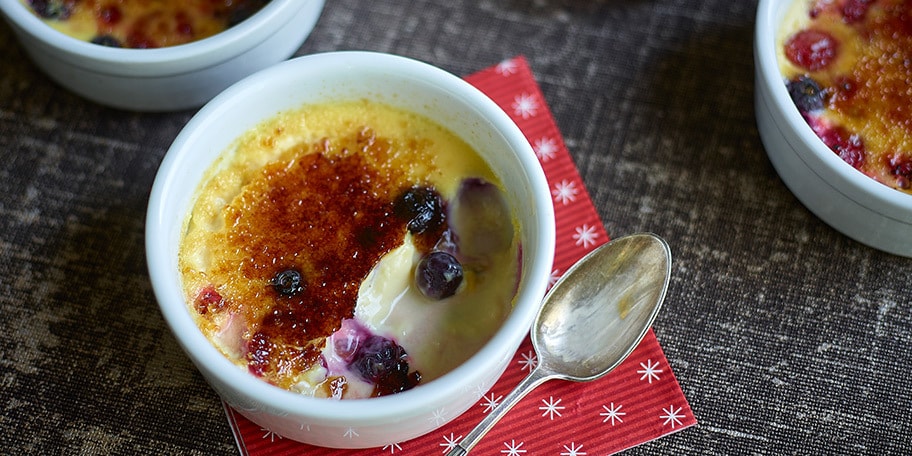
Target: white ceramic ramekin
<point>400,82</point>
<point>844,198</point>
<point>170,78</point>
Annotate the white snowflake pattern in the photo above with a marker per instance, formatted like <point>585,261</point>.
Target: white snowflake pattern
<point>450,442</point>
<point>554,277</point>
<point>272,436</point>
<point>612,413</point>
<point>671,416</point>
<point>551,407</point>
<point>545,148</point>
<point>585,235</point>
<point>490,402</point>
<point>438,417</point>
<point>506,67</point>
<point>392,448</point>
<point>304,427</point>
<point>513,448</point>
<point>564,192</point>
<point>350,433</point>
<point>649,371</point>
<point>525,105</point>
<point>573,450</point>
<point>479,390</point>
<point>528,361</point>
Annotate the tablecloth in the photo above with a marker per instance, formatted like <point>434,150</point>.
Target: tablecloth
<point>785,336</point>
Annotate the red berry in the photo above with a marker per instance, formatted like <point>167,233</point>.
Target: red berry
<point>901,167</point>
<point>208,300</point>
<point>184,26</point>
<point>854,10</point>
<point>849,147</point>
<point>110,15</point>
<point>812,49</point>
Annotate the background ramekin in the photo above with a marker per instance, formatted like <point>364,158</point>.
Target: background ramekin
<point>841,196</point>
<point>400,82</point>
<point>169,78</point>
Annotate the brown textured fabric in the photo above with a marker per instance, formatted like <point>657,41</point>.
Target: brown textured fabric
<point>787,337</point>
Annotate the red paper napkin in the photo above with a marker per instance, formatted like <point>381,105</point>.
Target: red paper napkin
<point>638,402</point>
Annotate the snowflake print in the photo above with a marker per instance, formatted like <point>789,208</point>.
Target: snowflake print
<point>671,416</point>
<point>272,436</point>
<point>350,433</point>
<point>479,390</point>
<point>392,448</point>
<point>525,105</point>
<point>553,278</point>
<point>585,235</point>
<point>564,192</point>
<point>649,371</point>
<point>545,148</point>
<point>506,67</point>
<point>490,403</point>
<point>613,413</point>
<point>450,442</point>
<point>528,361</point>
<point>439,417</point>
<point>551,407</point>
<point>513,448</point>
<point>573,450</point>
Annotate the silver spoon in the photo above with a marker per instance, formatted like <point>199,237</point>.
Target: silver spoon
<point>592,318</point>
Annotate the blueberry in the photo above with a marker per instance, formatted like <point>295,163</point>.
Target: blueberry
<point>51,9</point>
<point>288,282</point>
<point>384,363</point>
<point>106,40</point>
<point>422,207</point>
<point>438,275</point>
<point>481,220</point>
<point>806,94</point>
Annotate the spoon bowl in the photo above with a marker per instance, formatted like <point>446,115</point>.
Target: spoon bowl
<point>592,318</point>
<point>608,300</point>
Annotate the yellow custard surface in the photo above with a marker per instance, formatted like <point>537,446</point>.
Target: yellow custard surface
<point>314,189</point>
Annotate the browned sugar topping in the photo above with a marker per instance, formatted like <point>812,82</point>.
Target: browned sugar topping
<point>329,215</point>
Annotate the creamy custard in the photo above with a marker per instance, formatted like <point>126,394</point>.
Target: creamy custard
<point>302,266</point>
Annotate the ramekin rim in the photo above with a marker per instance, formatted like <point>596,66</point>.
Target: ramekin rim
<point>514,329</point>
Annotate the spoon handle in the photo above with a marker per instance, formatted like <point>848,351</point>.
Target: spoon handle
<point>535,378</point>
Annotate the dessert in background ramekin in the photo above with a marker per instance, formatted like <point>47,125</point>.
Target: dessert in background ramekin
<point>850,201</point>
<point>169,78</point>
<point>141,24</point>
<point>847,65</point>
<point>344,77</point>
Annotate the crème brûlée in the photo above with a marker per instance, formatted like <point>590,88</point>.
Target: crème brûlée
<point>848,68</point>
<point>349,250</point>
<point>142,24</point>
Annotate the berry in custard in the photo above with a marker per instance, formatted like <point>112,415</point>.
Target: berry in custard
<point>438,275</point>
<point>846,68</point>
